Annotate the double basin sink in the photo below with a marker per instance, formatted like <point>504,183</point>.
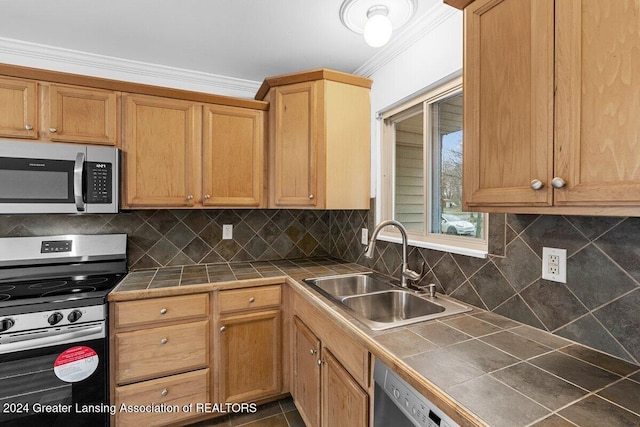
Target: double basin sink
<point>379,304</point>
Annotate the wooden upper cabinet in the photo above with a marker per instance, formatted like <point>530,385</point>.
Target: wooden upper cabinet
<point>597,102</point>
<point>18,108</point>
<point>233,151</point>
<point>530,150</point>
<point>161,141</point>
<point>319,140</point>
<point>295,156</point>
<point>508,102</point>
<point>82,115</point>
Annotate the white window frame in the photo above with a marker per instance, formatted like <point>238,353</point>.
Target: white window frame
<point>475,247</point>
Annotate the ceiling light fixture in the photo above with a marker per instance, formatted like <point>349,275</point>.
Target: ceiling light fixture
<point>377,30</point>
<point>376,19</point>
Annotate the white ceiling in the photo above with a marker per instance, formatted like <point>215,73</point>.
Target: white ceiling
<point>245,39</point>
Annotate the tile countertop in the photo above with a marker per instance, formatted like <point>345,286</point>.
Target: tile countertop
<point>503,373</point>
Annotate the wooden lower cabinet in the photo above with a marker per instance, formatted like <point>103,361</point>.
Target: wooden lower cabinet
<point>344,402</point>
<point>325,392</point>
<point>172,393</point>
<point>154,352</point>
<point>160,355</point>
<point>250,356</point>
<point>306,373</point>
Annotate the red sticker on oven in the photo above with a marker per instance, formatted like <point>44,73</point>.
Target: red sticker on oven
<point>75,364</point>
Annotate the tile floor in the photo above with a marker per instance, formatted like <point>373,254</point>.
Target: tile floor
<point>282,413</point>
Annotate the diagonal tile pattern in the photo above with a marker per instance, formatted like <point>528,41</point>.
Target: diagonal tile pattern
<point>597,306</point>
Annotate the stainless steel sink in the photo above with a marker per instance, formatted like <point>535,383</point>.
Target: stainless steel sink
<point>380,304</point>
<point>347,285</point>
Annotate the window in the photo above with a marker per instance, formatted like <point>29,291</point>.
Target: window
<point>421,182</point>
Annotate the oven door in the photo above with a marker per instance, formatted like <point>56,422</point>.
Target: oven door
<point>56,385</point>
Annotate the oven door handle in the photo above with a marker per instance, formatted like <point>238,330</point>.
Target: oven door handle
<point>93,332</point>
<point>78,168</point>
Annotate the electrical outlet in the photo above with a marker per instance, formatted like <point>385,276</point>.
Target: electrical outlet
<point>227,231</point>
<point>364,236</point>
<point>554,264</point>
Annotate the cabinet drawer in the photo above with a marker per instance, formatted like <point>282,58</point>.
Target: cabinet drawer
<point>161,351</point>
<point>250,298</point>
<point>131,313</point>
<point>176,390</point>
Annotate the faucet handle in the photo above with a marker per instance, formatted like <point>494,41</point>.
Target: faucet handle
<point>416,277</point>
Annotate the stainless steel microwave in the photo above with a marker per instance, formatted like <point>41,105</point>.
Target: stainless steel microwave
<point>58,178</point>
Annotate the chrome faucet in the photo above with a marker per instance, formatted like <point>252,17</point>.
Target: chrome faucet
<point>406,274</point>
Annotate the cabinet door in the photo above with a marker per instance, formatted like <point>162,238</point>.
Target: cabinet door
<point>306,373</point>
<point>233,156</point>
<point>250,356</point>
<point>162,141</point>
<point>344,402</point>
<point>82,115</point>
<point>18,108</point>
<point>597,102</point>
<point>508,102</point>
<point>296,109</point>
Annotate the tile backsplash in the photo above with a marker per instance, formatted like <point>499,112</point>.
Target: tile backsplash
<point>184,237</point>
<point>598,307</point>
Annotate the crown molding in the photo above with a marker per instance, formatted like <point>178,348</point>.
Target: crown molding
<point>17,52</point>
<point>414,31</point>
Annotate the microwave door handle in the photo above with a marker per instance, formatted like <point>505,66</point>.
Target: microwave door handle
<point>77,181</point>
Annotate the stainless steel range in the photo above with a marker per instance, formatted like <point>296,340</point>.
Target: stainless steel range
<point>53,327</point>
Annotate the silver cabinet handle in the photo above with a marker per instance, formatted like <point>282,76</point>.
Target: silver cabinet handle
<point>163,311</point>
<point>558,182</point>
<point>190,197</point>
<point>320,362</point>
<point>207,196</point>
<point>223,328</point>
<point>310,196</point>
<point>164,392</point>
<point>313,351</point>
<point>164,341</point>
<point>53,130</point>
<point>536,184</point>
<point>251,300</point>
<point>28,127</point>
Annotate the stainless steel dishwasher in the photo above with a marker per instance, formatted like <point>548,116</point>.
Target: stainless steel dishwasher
<point>398,404</point>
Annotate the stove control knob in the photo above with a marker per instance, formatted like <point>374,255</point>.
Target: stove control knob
<point>74,316</point>
<point>6,324</point>
<point>55,318</point>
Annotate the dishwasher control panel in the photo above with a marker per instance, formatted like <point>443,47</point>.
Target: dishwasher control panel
<point>421,411</point>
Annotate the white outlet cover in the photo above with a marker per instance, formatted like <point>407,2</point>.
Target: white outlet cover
<point>547,273</point>
<point>227,231</point>
<point>364,236</point>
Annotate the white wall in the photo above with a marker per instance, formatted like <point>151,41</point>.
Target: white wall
<point>430,58</point>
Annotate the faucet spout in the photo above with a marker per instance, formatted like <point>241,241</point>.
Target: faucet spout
<point>406,273</point>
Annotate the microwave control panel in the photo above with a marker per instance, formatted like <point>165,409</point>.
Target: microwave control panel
<point>99,182</point>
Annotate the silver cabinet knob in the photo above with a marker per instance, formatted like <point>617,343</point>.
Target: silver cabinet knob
<point>190,197</point>
<point>163,311</point>
<point>164,341</point>
<point>164,392</point>
<point>251,300</point>
<point>223,328</point>
<point>313,351</point>
<point>310,196</point>
<point>536,184</point>
<point>558,182</point>
<point>53,130</point>
<point>207,196</point>
<point>320,362</point>
<point>28,127</point>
